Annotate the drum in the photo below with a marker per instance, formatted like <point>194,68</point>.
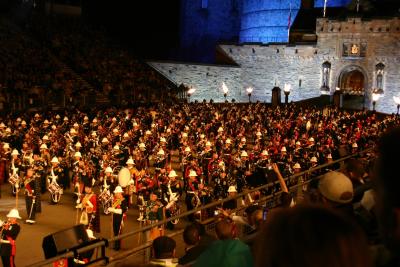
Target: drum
<point>54,188</point>
<point>105,196</point>
<point>13,180</point>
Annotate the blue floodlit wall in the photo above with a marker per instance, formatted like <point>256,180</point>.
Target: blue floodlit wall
<point>266,21</point>
<point>204,23</point>
<point>332,3</point>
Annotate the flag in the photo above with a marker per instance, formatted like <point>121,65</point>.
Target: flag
<point>289,20</point>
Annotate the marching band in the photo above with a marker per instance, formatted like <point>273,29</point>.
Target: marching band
<point>155,161</point>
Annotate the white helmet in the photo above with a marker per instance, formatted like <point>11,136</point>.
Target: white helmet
<point>160,152</point>
<point>163,140</point>
<point>105,140</point>
<point>264,153</point>
<point>314,159</point>
<point>6,146</point>
<point>43,146</point>
<point>192,173</point>
<point>232,189</point>
<point>118,189</point>
<point>14,153</point>
<point>172,173</point>
<point>116,147</point>
<point>142,145</point>
<point>54,160</point>
<point>13,214</point>
<point>108,170</point>
<point>244,154</point>
<point>297,166</point>
<point>130,161</point>
<point>187,149</point>
<point>78,154</point>
<point>78,144</point>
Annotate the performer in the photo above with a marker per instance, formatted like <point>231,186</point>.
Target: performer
<point>90,211</point>
<point>155,213</point>
<point>118,208</point>
<point>9,233</point>
<point>30,197</point>
<point>15,167</point>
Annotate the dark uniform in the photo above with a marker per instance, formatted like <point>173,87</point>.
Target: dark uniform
<point>9,233</point>
<point>119,208</point>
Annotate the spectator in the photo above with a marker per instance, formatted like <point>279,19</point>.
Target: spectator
<point>308,236</point>
<point>191,237</point>
<point>387,186</point>
<point>164,252</point>
<point>226,251</point>
<point>337,191</point>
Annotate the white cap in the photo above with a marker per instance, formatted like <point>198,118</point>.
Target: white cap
<point>116,147</point>
<point>163,140</point>
<point>130,161</point>
<point>115,130</point>
<point>58,116</point>
<point>54,160</point>
<point>298,143</point>
<point>46,122</point>
<point>354,145</point>
<point>142,145</point>
<point>184,134</point>
<point>13,214</point>
<point>187,149</point>
<point>8,130</point>
<point>14,153</point>
<point>108,169</point>
<point>311,139</point>
<point>329,156</point>
<point>232,189</point>
<point>258,133</point>
<point>160,152</point>
<point>72,131</point>
<point>201,136</point>
<point>6,146</point>
<point>2,125</point>
<point>94,133</point>
<point>94,120</point>
<point>78,154</point>
<point>43,146</point>
<point>244,154</point>
<point>65,118</point>
<point>148,132</point>
<point>243,139</point>
<point>118,189</point>
<point>23,123</point>
<point>313,159</point>
<point>105,140</point>
<point>37,115</point>
<point>86,118</point>
<point>78,144</point>
<point>208,143</point>
<point>220,129</point>
<point>283,149</point>
<point>228,141</point>
<point>76,125</point>
<point>264,152</point>
<point>297,166</point>
<point>172,173</point>
<point>192,173</point>
<point>336,187</point>
<point>126,135</point>
<point>114,119</point>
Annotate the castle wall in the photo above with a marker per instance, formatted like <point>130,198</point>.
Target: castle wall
<point>263,67</point>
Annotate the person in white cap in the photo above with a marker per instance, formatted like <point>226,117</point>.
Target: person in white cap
<point>9,234</point>
<point>30,197</point>
<point>118,210</point>
<point>15,168</point>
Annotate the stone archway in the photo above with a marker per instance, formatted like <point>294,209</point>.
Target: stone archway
<point>352,82</point>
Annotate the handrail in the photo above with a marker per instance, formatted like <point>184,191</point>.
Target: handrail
<point>207,206</point>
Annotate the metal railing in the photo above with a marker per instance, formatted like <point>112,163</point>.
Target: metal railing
<point>270,201</point>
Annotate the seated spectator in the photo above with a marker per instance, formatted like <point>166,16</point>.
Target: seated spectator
<point>336,190</point>
<point>191,237</point>
<point>387,186</point>
<point>226,252</point>
<point>308,236</point>
<point>164,252</point>
<point>205,238</point>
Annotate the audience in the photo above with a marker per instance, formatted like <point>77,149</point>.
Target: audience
<point>311,236</point>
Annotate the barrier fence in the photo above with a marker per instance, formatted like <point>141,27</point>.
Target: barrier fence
<point>269,201</point>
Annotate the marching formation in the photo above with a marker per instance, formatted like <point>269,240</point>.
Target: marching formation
<point>156,156</point>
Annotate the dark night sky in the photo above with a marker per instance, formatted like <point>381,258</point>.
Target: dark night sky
<point>151,27</point>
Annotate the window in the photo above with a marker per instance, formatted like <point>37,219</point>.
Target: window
<point>204,4</point>
<point>379,68</point>
<point>326,72</point>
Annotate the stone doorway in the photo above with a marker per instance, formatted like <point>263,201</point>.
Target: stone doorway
<point>352,84</point>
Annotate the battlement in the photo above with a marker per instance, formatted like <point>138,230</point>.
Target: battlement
<point>325,26</point>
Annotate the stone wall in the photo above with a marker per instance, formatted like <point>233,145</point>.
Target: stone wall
<point>264,66</point>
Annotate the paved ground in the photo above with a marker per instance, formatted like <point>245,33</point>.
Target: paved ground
<point>55,218</point>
